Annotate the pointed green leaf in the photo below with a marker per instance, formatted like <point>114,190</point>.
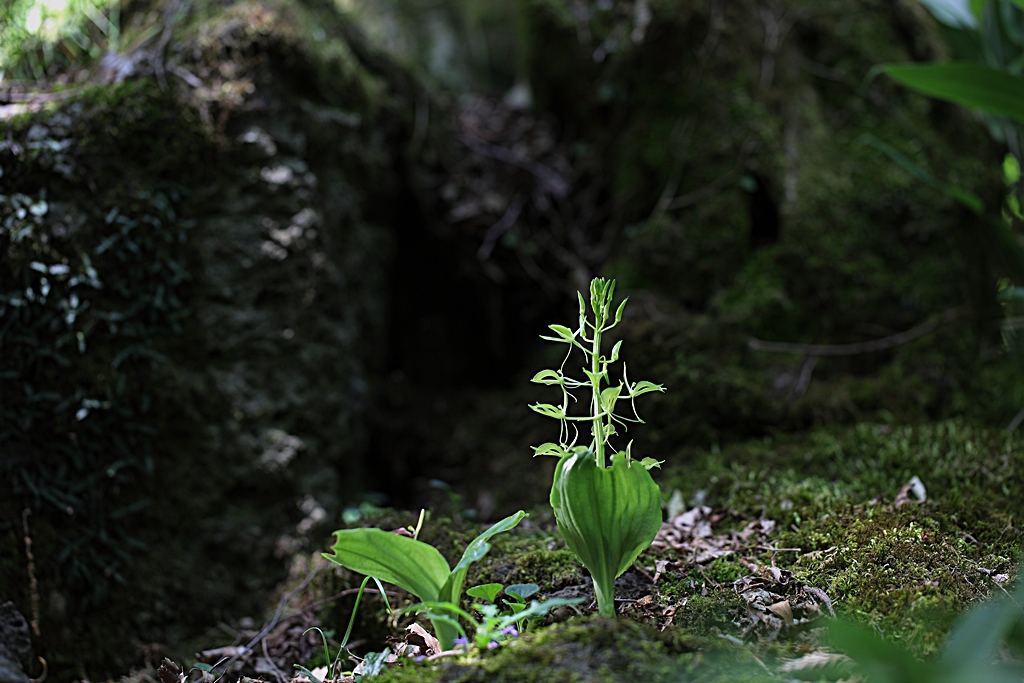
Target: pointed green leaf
<point>969,84</point>
<point>618,313</point>
<point>607,515</point>
<point>645,388</point>
<point>451,591</point>
<point>475,551</point>
<point>547,377</point>
<point>565,335</point>
<point>650,463</point>
<point>411,565</point>
<point>487,591</point>
<point>615,351</point>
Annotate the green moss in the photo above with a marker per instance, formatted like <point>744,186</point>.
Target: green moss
<point>585,650</point>
<point>518,560</point>
<point>908,570</point>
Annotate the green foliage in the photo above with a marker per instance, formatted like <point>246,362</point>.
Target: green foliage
<point>608,514</point>
<point>906,570</point>
<point>603,402</point>
<point>984,646</point>
<point>973,85</point>
<point>40,39</point>
<point>495,625</point>
<point>993,85</point>
<point>515,602</point>
<point>89,302</point>
<point>415,566</point>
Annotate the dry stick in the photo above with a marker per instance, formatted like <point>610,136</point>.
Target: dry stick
<point>33,585</point>
<point>277,672</point>
<point>273,622</point>
<point>882,344</point>
<point>552,181</point>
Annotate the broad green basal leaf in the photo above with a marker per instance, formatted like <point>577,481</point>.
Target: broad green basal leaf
<point>607,515</point>
<point>417,567</point>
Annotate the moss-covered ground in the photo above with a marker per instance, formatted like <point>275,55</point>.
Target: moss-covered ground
<point>906,570</point>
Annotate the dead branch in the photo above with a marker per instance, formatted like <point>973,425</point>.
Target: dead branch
<point>854,349</point>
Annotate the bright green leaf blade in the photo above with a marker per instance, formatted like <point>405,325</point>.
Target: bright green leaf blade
<point>967,83</point>
<point>563,332</point>
<point>538,609</point>
<point>487,591</point>
<point>607,515</point>
<point>478,547</point>
<point>451,591</point>
<point>411,565</point>
<point>651,463</point>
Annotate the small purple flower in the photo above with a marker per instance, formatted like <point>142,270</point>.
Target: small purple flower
<point>510,631</point>
<point>491,645</point>
<point>461,641</point>
<point>420,658</point>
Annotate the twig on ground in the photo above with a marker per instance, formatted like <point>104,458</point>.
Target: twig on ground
<point>273,622</point>
<point>882,344</point>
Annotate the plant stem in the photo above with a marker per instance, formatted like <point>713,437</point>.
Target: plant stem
<point>595,367</point>
<point>605,598</point>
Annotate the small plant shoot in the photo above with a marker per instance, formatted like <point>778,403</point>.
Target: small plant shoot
<point>608,507</point>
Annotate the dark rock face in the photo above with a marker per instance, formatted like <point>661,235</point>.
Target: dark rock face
<point>15,645</point>
<point>193,288</point>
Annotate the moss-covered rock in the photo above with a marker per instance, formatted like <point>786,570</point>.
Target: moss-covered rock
<point>192,296</point>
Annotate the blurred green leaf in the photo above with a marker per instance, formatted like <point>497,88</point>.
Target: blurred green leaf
<point>969,84</point>
<point>521,590</point>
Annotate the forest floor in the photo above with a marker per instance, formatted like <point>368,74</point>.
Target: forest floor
<point>898,528</point>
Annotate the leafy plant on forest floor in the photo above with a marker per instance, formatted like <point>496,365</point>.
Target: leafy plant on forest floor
<point>608,512</point>
<point>415,566</point>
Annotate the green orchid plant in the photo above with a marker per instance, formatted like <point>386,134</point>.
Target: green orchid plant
<point>608,508</point>
<point>415,566</point>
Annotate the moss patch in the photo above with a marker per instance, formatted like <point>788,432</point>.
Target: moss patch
<point>584,650</point>
<point>908,570</point>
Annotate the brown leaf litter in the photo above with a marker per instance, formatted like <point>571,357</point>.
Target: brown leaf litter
<point>773,600</point>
